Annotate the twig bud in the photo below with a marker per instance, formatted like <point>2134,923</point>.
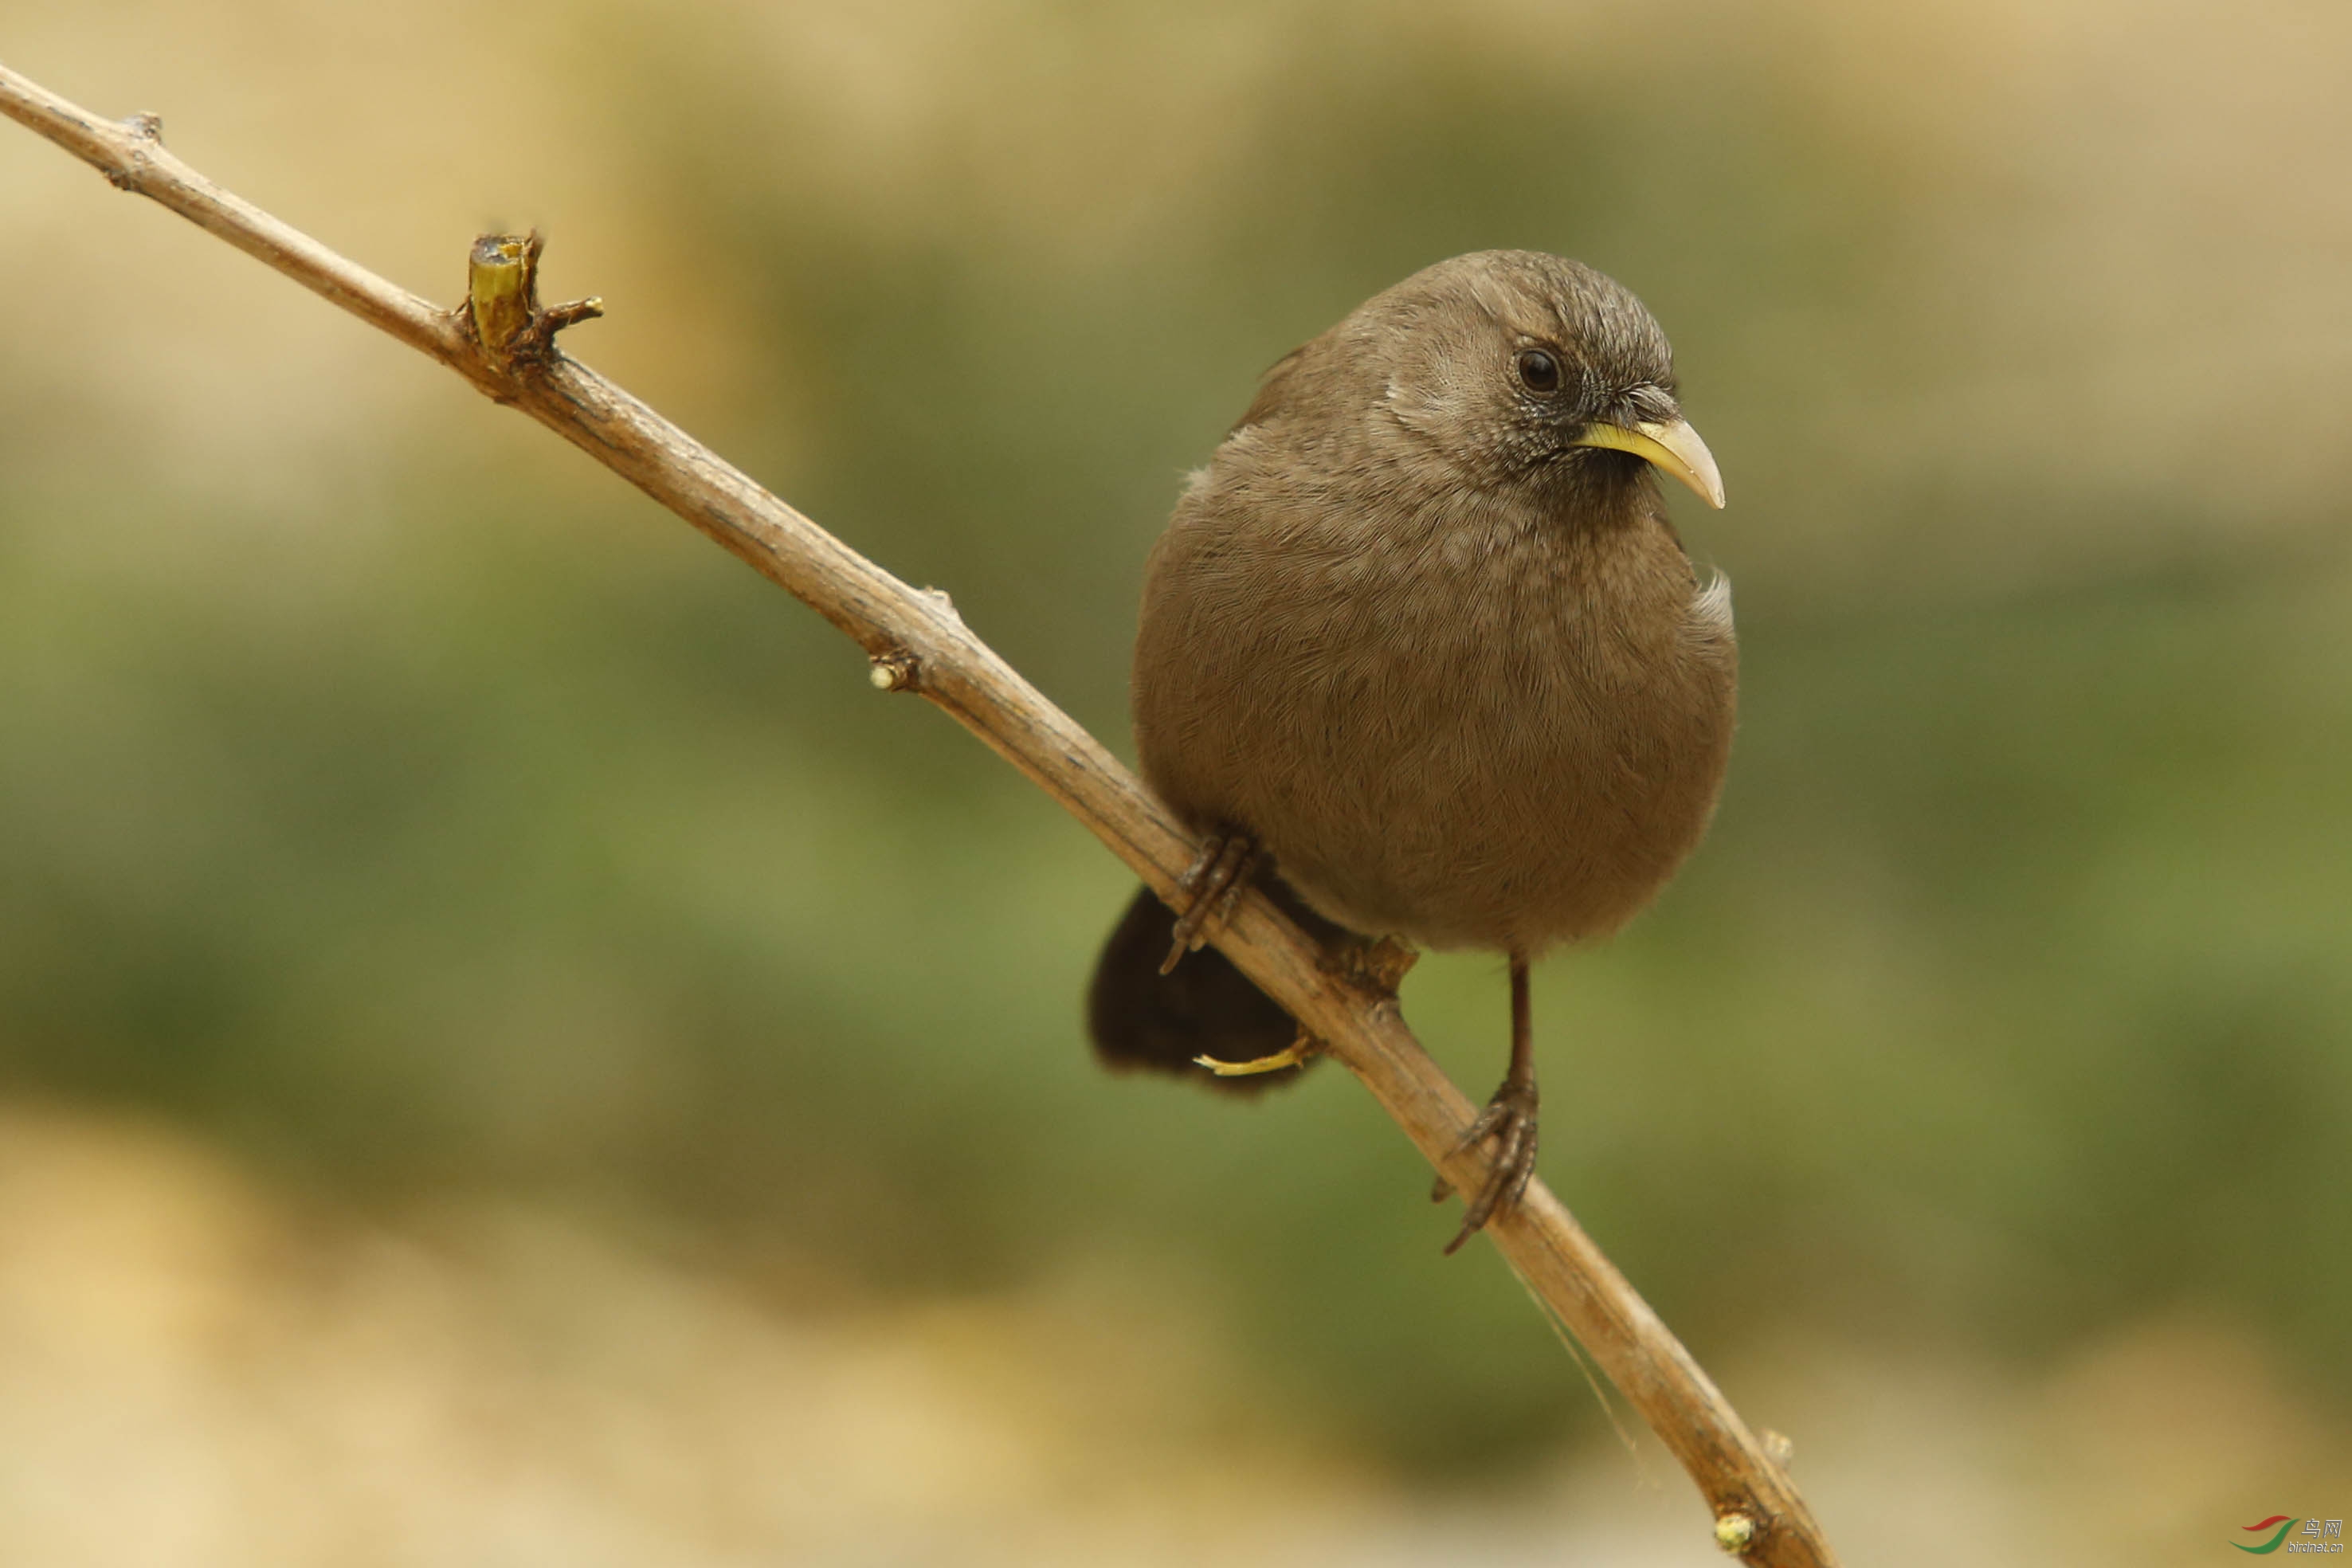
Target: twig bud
<point>894,670</point>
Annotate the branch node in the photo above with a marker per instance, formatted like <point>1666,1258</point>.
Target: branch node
<point>1778,1447</point>
<point>896,669</point>
<point>143,127</point>
<point>940,596</point>
<point>502,306</point>
<point>1377,967</point>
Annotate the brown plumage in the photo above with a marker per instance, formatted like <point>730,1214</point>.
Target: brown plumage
<point>1421,634</point>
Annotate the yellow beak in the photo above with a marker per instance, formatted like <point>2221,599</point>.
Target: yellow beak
<point>1672,446</point>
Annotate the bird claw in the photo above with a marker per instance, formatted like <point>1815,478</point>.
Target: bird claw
<point>1214,881</point>
<point>1511,1120</point>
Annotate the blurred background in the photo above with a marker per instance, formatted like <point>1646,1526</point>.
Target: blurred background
<point>511,1052</point>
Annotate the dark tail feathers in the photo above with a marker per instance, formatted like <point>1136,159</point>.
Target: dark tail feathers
<point>1142,1019</point>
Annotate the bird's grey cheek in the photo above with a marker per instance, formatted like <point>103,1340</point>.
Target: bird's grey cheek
<point>1411,408</point>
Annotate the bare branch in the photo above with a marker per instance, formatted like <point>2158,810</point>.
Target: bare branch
<point>503,342</point>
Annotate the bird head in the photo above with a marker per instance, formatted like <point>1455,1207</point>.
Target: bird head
<point>1516,367</point>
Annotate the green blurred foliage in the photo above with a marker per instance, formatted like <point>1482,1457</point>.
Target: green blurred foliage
<point>519,837</point>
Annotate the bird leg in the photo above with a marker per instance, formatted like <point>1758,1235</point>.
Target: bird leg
<point>1510,1118</point>
<point>1213,884</point>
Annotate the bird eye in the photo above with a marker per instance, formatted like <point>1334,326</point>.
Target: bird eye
<point>1538,372</point>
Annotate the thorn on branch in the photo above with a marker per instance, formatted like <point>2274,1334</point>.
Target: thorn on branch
<point>502,301</point>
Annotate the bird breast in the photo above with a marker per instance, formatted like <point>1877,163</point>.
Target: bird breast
<point>1470,726</point>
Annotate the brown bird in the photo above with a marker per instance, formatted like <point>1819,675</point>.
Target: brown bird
<point>1421,650</point>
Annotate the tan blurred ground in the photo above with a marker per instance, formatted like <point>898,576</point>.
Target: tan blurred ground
<point>194,1372</point>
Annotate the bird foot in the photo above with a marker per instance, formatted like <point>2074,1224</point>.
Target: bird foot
<point>1297,1054</point>
<point>1213,885</point>
<point>1511,1120</point>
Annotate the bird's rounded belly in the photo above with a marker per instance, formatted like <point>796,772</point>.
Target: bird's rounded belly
<point>1511,807</point>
